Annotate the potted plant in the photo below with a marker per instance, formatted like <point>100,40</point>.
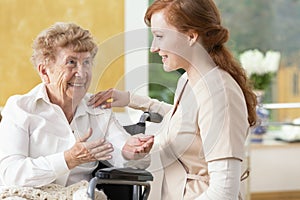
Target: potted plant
<point>261,69</point>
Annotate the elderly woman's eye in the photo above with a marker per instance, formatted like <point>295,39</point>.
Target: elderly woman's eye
<point>87,63</point>
<point>71,62</point>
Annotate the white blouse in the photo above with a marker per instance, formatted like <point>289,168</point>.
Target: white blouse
<point>35,133</point>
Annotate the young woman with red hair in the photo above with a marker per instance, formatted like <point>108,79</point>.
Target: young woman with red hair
<point>202,141</point>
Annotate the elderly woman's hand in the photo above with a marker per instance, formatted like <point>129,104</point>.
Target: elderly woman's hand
<point>83,151</point>
<point>110,98</point>
<point>137,146</point>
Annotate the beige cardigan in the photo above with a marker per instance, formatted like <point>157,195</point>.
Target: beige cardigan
<point>210,123</point>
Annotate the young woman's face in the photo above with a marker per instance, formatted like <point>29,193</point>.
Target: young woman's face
<point>170,44</point>
<point>69,77</point>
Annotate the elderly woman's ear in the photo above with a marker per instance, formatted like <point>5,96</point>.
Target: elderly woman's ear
<point>42,70</point>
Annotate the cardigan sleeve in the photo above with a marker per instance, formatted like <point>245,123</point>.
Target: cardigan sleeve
<point>145,103</point>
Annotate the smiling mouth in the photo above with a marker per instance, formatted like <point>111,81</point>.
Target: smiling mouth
<point>164,57</point>
<point>76,84</point>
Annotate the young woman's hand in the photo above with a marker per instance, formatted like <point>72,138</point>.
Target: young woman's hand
<point>110,98</point>
<point>137,146</point>
<point>84,152</point>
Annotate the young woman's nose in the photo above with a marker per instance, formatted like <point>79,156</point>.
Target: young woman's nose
<point>154,47</point>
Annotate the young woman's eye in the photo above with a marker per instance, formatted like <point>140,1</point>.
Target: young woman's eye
<point>158,36</point>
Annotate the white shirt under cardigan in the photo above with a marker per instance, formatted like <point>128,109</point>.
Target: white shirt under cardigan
<point>34,133</point>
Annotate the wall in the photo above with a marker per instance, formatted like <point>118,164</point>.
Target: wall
<point>22,20</point>
<point>274,167</point>
<point>286,92</point>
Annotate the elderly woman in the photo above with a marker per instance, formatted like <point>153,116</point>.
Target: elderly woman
<point>49,135</point>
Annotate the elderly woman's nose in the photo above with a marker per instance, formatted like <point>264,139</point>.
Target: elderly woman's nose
<point>80,71</point>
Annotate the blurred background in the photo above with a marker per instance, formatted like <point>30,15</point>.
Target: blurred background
<point>268,25</point>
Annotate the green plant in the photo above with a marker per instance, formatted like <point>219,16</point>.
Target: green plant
<point>260,68</point>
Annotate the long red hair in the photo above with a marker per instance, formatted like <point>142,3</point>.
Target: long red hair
<point>203,17</point>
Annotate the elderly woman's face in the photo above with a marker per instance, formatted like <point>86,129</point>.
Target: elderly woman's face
<point>69,77</point>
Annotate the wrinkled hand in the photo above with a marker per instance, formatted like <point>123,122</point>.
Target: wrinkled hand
<point>110,98</point>
<point>137,146</point>
<point>83,151</point>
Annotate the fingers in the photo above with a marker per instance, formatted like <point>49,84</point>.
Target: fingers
<point>148,145</point>
<point>94,144</point>
<point>103,154</point>
<point>107,105</point>
<point>145,138</point>
<point>101,98</point>
<point>85,156</point>
<point>137,146</point>
<point>134,141</point>
<point>102,151</point>
<point>83,151</point>
<point>110,98</point>
<point>77,155</point>
<point>139,140</point>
